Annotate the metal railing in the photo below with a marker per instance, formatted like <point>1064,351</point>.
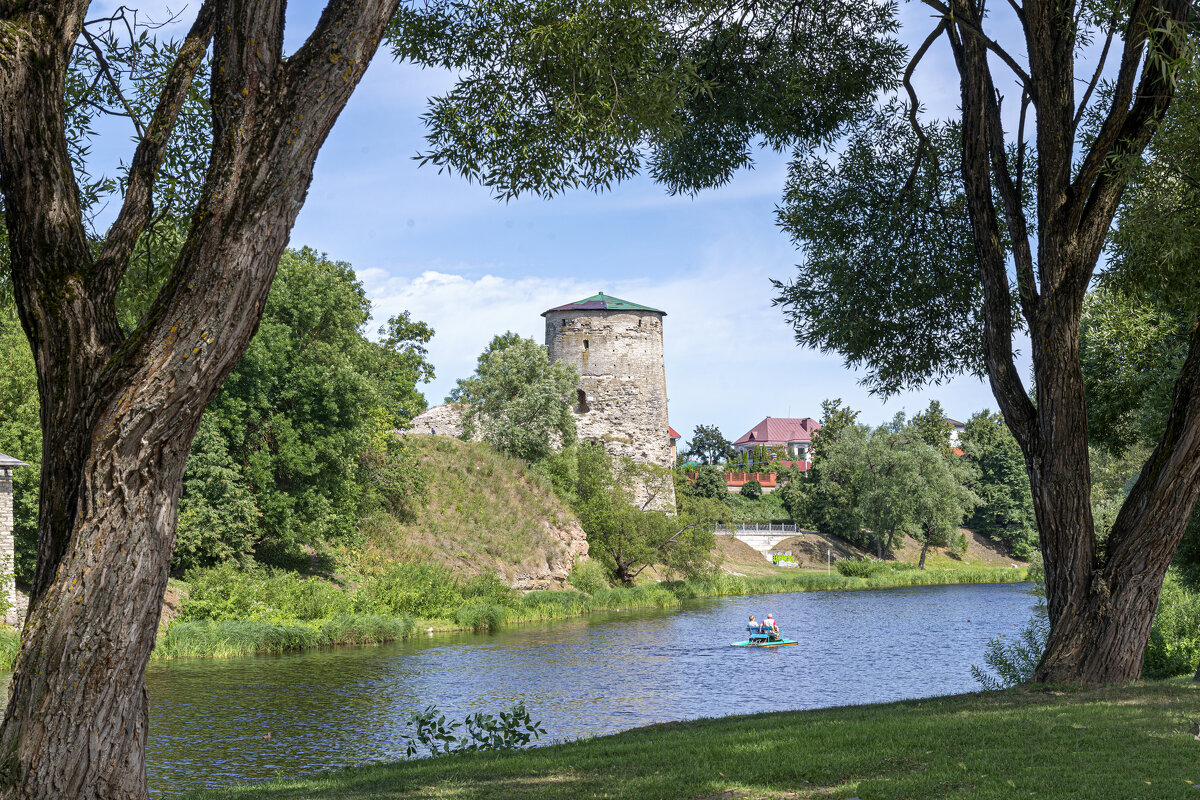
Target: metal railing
<point>758,527</point>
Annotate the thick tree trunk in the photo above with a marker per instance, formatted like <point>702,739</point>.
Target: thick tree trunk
<point>119,414</point>
<point>924,550</point>
<point>1100,609</point>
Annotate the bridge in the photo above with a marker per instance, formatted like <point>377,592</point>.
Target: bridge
<point>762,536</point>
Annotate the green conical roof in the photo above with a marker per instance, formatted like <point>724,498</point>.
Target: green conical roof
<point>603,302</point>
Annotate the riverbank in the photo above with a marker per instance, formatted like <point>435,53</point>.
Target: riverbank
<point>1133,742</point>
<point>226,632</point>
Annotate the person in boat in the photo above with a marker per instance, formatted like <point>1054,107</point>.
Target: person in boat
<point>770,628</point>
<point>752,626</point>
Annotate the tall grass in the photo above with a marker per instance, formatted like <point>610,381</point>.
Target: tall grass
<point>228,638</point>
<point>10,643</point>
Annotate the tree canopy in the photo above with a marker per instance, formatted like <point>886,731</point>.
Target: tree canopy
<point>518,400</point>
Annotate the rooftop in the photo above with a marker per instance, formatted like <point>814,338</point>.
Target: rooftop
<point>603,302</point>
<point>9,461</point>
<point>780,430</point>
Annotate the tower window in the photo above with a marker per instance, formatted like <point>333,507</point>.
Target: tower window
<point>581,396</point>
<point>585,344</point>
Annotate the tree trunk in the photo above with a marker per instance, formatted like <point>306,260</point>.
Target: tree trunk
<point>924,550</point>
<point>119,414</point>
<point>1100,609</point>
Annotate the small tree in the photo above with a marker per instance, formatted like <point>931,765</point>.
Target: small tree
<point>518,399</point>
<point>625,538</point>
<point>752,490</point>
<point>709,446</point>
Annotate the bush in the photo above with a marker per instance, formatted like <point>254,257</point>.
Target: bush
<point>423,590</point>
<point>752,490</point>
<point>858,568</point>
<point>1174,646</point>
<point>588,577</point>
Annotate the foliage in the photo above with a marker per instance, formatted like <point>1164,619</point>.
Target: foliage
<point>707,483</point>
<point>1013,664</point>
<point>518,399</point>
<point>556,95</point>
<point>1174,647</point>
<point>766,508</point>
<point>941,499</point>
<point>709,446</point>
<point>508,730</point>
<point>588,576</point>
<point>795,494</point>
<point>751,490</point>
<point>20,435</point>
<point>10,645</point>
<point>889,278</point>
<point>627,539</point>
<point>306,419</point>
<point>232,637</point>
<point>1005,510</point>
<point>480,616</point>
<point>218,517</point>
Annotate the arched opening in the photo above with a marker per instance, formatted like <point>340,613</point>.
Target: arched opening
<point>581,396</point>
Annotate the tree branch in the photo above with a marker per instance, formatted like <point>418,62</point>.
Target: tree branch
<point>137,207</point>
<point>970,54</point>
<point>973,27</point>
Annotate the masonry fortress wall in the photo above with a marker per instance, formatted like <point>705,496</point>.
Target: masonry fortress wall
<point>622,396</point>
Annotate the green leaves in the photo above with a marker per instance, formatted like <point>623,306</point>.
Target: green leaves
<point>559,94</point>
<point>889,278</point>
<point>518,399</point>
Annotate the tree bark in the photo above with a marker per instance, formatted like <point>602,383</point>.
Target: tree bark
<point>924,550</point>
<point>119,413</point>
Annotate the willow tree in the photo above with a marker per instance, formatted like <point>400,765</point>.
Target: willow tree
<point>929,247</point>
<point>118,411</point>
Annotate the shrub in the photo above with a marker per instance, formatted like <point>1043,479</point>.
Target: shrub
<point>1174,646</point>
<point>505,731</point>
<point>752,489</point>
<point>588,577</point>
<point>423,590</point>
<point>858,568</point>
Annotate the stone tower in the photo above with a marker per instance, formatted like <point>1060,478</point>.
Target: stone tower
<point>8,588</point>
<point>617,346</point>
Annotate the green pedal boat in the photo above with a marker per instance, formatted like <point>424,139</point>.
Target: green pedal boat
<point>763,640</point>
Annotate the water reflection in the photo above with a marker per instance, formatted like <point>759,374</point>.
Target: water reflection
<point>333,708</point>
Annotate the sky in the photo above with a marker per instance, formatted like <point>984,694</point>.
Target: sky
<point>470,266</point>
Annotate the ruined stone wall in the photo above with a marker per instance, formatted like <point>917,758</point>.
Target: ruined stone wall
<point>619,355</point>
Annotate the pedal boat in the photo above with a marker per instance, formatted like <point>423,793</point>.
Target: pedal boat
<point>763,640</point>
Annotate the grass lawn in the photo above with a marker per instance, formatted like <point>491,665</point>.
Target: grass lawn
<point>1124,742</point>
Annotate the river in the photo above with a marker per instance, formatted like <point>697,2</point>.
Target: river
<point>333,708</point>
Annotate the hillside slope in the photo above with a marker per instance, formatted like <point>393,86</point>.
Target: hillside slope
<point>486,513</point>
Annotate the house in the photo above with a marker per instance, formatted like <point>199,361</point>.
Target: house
<point>789,433</point>
<point>956,430</point>
<point>674,436</point>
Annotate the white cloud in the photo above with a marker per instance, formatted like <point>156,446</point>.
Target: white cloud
<point>730,357</point>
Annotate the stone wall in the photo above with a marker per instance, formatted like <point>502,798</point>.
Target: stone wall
<point>622,399</point>
<point>443,420</point>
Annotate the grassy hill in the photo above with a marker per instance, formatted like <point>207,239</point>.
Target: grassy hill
<point>486,513</point>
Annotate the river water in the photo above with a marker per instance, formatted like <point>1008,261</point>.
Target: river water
<point>333,708</point>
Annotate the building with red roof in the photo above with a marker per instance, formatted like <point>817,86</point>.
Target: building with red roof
<point>793,434</point>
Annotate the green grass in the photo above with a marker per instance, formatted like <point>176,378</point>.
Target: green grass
<point>1130,742</point>
<point>229,638</point>
<point>725,585</point>
<point>10,643</point>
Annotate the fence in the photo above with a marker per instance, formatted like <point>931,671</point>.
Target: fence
<point>758,527</point>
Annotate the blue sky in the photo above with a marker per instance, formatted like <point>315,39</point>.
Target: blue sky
<point>472,267</point>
